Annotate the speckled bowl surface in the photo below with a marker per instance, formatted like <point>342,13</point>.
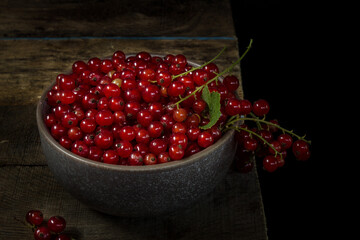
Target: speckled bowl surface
<point>136,190</point>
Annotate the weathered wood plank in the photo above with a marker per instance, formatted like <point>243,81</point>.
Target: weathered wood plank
<point>232,211</point>
<point>19,137</point>
<point>48,18</point>
<point>29,66</point>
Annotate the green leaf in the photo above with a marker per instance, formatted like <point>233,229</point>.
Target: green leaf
<point>212,99</point>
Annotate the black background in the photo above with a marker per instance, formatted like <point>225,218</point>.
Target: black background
<point>282,67</point>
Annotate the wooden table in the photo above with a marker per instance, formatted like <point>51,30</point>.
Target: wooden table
<point>39,41</point>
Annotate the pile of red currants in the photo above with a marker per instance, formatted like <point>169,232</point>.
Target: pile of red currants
<point>144,109</point>
<point>52,229</point>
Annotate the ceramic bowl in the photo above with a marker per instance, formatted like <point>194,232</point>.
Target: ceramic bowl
<point>136,190</point>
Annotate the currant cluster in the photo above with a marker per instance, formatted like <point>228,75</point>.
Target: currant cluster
<point>136,110</point>
<point>52,229</point>
<point>266,139</point>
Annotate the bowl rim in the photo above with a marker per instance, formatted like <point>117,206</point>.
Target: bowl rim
<point>143,168</point>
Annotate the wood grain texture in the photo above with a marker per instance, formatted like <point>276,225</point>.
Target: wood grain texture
<point>49,18</point>
<point>232,211</point>
<point>19,137</point>
<point>24,76</point>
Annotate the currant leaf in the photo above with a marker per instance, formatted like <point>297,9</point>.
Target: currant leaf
<point>212,99</point>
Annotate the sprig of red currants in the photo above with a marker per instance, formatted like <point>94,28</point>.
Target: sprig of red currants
<point>53,228</point>
<point>143,110</point>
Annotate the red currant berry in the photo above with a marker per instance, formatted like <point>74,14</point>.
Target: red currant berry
<point>104,139</point>
<point>95,153</point>
<point>163,157</point>
<point>75,133</point>
<point>69,120</point>
<point>110,156</point>
<point>280,159</point>
<point>119,117</point>
<point>104,118</point>
<point>127,133</point>
<point>187,82</point>
<point>176,152</point>
<point>111,90</point>
<point>265,134</point>
<point>42,233</point>
<point>233,107</point>
<point>155,129</point>
<point>62,236</point>
<point>128,84</point>
<point>175,89</point>
<point>192,149</point>
<point>116,104</point>
<point>144,117</point>
<point>151,93</point>
<point>144,56</point>
<point>60,110</point>
<point>200,77</point>
<point>106,65</point>
<point>142,136</point>
<point>89,101</point>
<point>119,54</point>
<point>57,131</point>
<point>124,148</point>
<point>66,142</point>
<point>260,107</point>
<point>156,110</point>
<point>79,113</point>
<point>250,144</point>
<point>215,133</point>
<point>180,114</point>
<point>270,163</point>
<point>231,83</point>
<point>157,146</point>
<point>67,97</point>
<point>79,66</point>
<point>34,217</point>
<point>245,107</point>
<point>80,148</point>
<point>178,128</point>
<point>167,121</point>
<point>135,159</point>
<point>150,159</point>
<point>301,150</point>
<point>205,139</point>
<point>88,125</point>
<point>180,60</point>
<point>193,133</point>
<point>56,224</point>
<point>285,140</point>
<point>131,109</point>
<point>94,64</point>
<point>199,106</point>
<point>211,69</point>
<point>147,74</point>
<point>142,148</point>
<point>179,139</point>
<point>163,78</point>
<point>275,144</point>
<point>67,82</point>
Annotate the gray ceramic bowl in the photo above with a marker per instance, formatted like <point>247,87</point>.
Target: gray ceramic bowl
<point>136,190</point>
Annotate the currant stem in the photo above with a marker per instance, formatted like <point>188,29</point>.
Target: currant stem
<point>260,137</point>
<point>193,69</point>
<point>271,124</point>
<point>229,69</point>
<point>257,123</point>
